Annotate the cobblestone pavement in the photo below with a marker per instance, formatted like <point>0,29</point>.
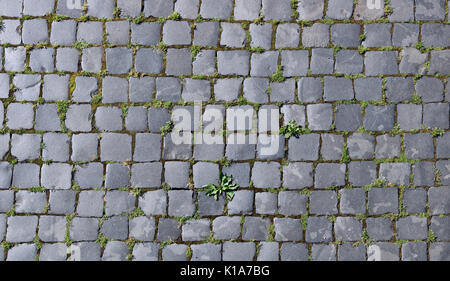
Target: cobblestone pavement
<point>90,171</point>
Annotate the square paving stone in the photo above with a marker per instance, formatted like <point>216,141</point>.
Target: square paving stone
<point>10,32</point>
<point>266,203</point>
<point>158,8</point>
<point>413,61</point>
<point>293,252</point>
<point>365,11</point>
<point>108,118</point>
<point>153,202</point>
<point>63,32</point>
<point>141,89</point>
<point>176,174</point>
<point>84,147</point>
<point>266,175</point>
<point>11,8</point>
<point>443,146</point>
<point>362,173</point>
<point>352,201</point>
<point>247,9</point>
<point>19,116</point>
<point>22,252</point>
<point>66,60</point>
<point>322,61</point>
<point>399,89</point>
<point>310,89</point>
<point>349,62</point>
<point>419,146</point>
<point>84,229</point>
<point>175,252</point>
<point>56,147</point>
<point>30,202</point>
<point>90,203</point>
<point>409,116</point>
<point>6,201</point>
<point>332,146</point>
<point>240,173</point>
<point>256,90</point>
<point>345,34</point>
<point>142,228</point>
<point>323,252</point>
<point>435,115</point>
<point>15,58</point>
<point>379,118</point>
<point>176,33</point>
<point>25,175</point>
<point>238,251</point>
<point>233,35</point>
<point>146,175</point>
<point>62,202</point>
<point>41,60</point>
<point>115,147</point>
<point>52,228</point>
<point>118,32</point>
<point>205,63</point>
<point>340,9</point>
<point>431,34</point>
<point>242,203</point>
<point>439,200</point>
<point>320,116</point>
<point>119,202</point>
<point>268,251</point>
<point>115,227</point>
<point>323,202</point>
<point>383,251</point>
<point>55,87</point>
<point>430,89</point>
<point>89,175</point>
<point>423,174</point>
<point>261,35</point>
<point>412,228</point>
<point>226,227</point>
<point>377,35</point>
<point>338,88</point>
<point>195,90</point>
<point>402,10</point>
<point>146,33</point>
<point>26,147</point>
<point>440,227</point>
<point>294,63</point>
<point>319,229</point>
<point>101,8</point>
<point>205,173</point>
<point>288,36</point>
<point>91,59</point>
<point>396,173</point>
<point>34,31</point>
<point>310,9</point>
<point>381,62</point>
<point>196,230</point>
<point>283,92</point>
<point>206,252</point>
<point>414,251</point>
<point>444,171</point>
<point>430,10</point>
<point>306,147</point>
<point>405,34</point>
<point>118,60</point>
<point>291,203</point>
<point>244,151</point>
<point>387,146</point>
<point>136,119</point>
<point>53,252</point>
<point>188,9</point>
<point>147,147</point>
<point>348,117</point>
<point>348,252</point>
<point>206,34</point>
<point>172,151</point>
<point>264,64</point>
<point>168,229</point>
<point>276,10</point>
<point>115,251</point>
<point>85,89</point>
<point>439,251</point>
<point>316,35</point>
<point>115,90</point>
<point>148,61</point>
<point>21,229</point>
<point>379,229</point>
<point>233,62</point>
<point>383,200</point>
<point>91,32</point>
<point>208,206</point>
<point>85,251</point>
<point>329,174</point>
<point>298,175</point>
<point>181,203</point>
<point>287,229</point>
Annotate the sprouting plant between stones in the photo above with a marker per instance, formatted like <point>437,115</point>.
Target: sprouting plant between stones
<point>166,129</point>
<point>292,129</point>
<point>225,186</point>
